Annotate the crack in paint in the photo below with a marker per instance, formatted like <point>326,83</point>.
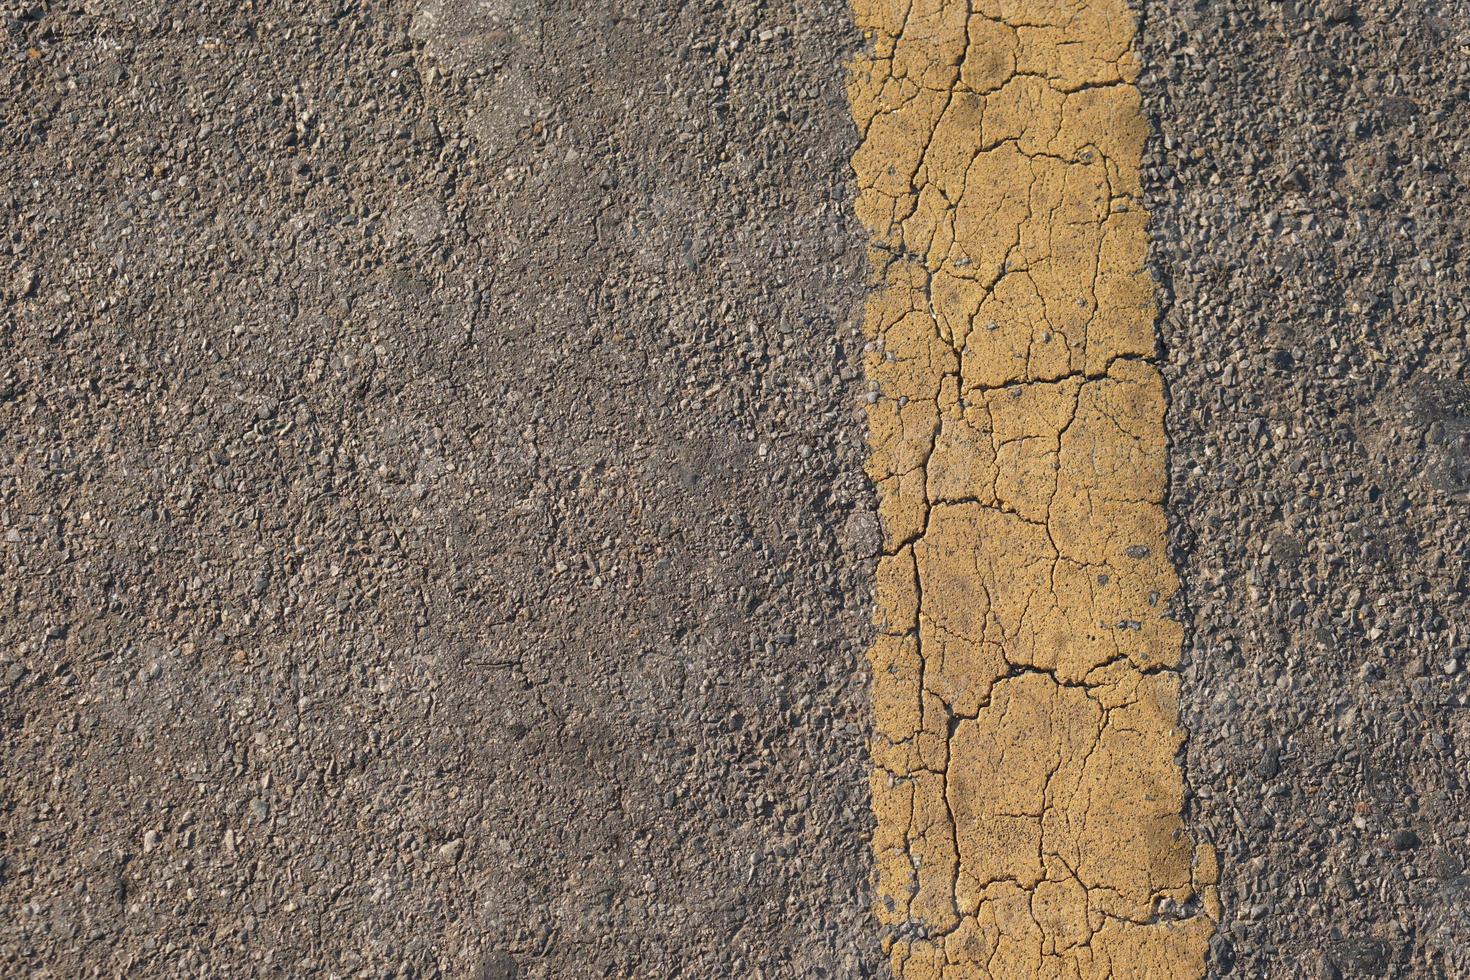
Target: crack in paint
<point>1025,685</point>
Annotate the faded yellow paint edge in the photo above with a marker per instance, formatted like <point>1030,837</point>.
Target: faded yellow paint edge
<point>1025,688</point>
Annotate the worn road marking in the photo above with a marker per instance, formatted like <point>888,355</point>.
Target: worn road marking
<point>1025,780</point>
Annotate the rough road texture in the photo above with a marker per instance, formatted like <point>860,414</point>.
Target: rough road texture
<point>432,537</point>
<point>1308,194</point>
<point>426,462</point>
<point>1025,689</point>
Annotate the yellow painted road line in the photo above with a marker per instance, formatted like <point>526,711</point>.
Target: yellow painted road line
<point>1025,780</point>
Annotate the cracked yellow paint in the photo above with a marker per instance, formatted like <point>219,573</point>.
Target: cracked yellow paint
<point>1025,780</point>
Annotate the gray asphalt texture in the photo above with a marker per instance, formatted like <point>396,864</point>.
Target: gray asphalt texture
<point>432,519</point>
<point>1308,188</point>
<point>433,511</point>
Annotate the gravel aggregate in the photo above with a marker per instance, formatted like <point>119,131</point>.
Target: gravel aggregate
<point>1307,185</point>
<point>431,492</point>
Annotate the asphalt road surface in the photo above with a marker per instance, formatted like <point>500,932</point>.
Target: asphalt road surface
<point>443,494</point>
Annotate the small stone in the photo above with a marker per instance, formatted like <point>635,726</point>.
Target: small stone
<point>497,965</point>
<point>1403,840</point>
<point>451,851</point>
<point>24,282</point>
<point>1362,955</point>
<point>150,842</point>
